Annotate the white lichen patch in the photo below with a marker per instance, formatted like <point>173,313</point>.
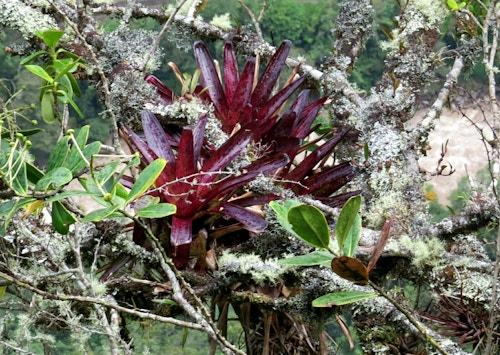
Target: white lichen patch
<point>24,18</point>
<point>262,272</point>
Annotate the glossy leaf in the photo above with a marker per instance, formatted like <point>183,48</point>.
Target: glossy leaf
<point>250,220</point>
<point>167,96</point>
<point>342,298</point>
<point>352,239</point>
<point>271,74</point>
<point>146,178</point>
<point>61,218</point>
<point>156,137</point>
<point>317,257</point>
<point>350,269</point>
<point>40,72</point>
<point>54,179</point>
<point>210,77</point>
<point>47,107</point>
<point>281,209</point>
<point>101,214</point>
<point>157,210</point>
<point>51,37</point>
<point>58,155</point>
<point>347,219</point>
<point>230,72</point>
<point>310,225</point>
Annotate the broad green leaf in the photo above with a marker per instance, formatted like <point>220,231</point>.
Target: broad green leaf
<point>346,220</point>
<point>99,215</point>
<point>310,225</point>
<point>50,37</point>
<point>61,218</point>
<point>47,107</point>
<point>281,209</point>
<point>20,178</point>
<point>39,71</point>
<point>157,211</point>
<point>146,178</point>
<point>14,205</point>
<point>33,173</point>
<point>74,159</point>
<point>2,291</point>
<point>54,179</point>
<point>32,57</point>
<point>452,4</point>
<point>341,298</point>
<point>352,239</point>
<point>79,163</point>
<point>318,257</point>
<point>68,194</point>
<point>58,155</point>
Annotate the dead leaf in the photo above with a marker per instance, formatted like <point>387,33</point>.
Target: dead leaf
<point>382,241</point>
<point>350,269</point>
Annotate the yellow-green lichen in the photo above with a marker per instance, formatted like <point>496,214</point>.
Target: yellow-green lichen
<point>425,252</point>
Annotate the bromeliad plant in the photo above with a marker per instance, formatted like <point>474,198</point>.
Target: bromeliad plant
<point>203,182</point>
<point>196,179</point>
<point>242,103</point>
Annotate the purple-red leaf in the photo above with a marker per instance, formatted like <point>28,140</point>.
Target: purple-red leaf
<point>227,152</point>
<point>306,165</point>
<point>210,78</point>
<point>329,180</point>
<point>250,220</point>
<point>167,96</point>
<point>308,116</point>
<point>156,137</point>
<point>268,109</point>
<point>185,164</point>
<point>198,137</point>
<point>240,102</point>
<point>230,72</point>
<point>181,236</point>
<point>338,200</point>
<point>271,73</point>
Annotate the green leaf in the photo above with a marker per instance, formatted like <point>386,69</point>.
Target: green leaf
<point>157,211</point>
<point>39,71</point>
<point>318,257</point>
<point>2,291</point>
<point>78,163</point>
<point>32,57</point>
<point>33,173</point>
<point>341,298</point>
<point>68,194</point>
<point>352,240</point>
<point>281,209</point>
<point>166,301</point>
<point>54,179</point>
<point>7,210</point>
<point>20,179</point>
<point>310,225</point>
<point>452,4</point>
<point>346,220</point>
<point>99,215</point>
<point>50,37</point>
<point>47,107</point>
<point>58,155</point>
<point>146,178</point>
<point>61,218</point>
